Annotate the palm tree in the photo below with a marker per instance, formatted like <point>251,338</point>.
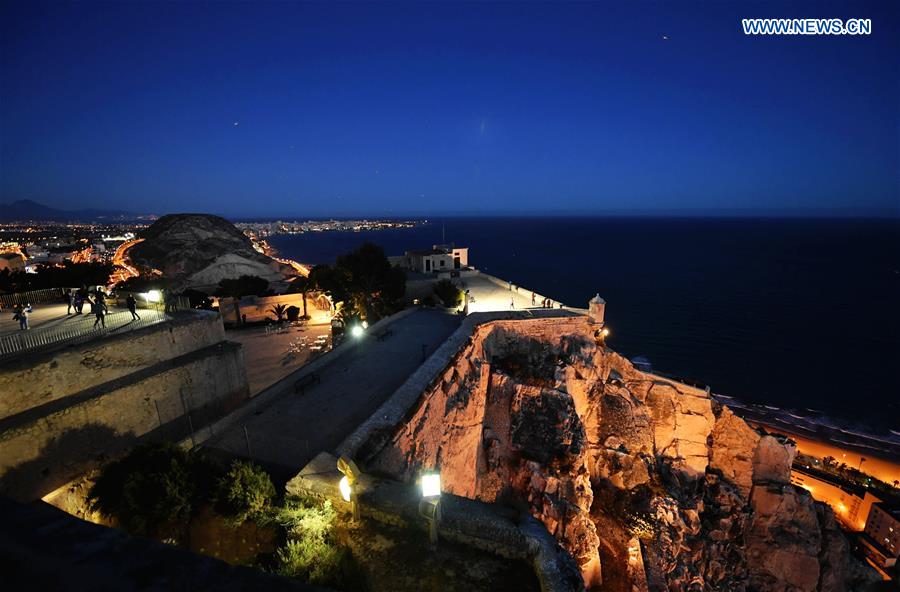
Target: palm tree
<point>301,285</point>
<point>279,310</point>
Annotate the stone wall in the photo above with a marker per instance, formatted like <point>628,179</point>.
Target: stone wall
<point>40,379</point>
<point>88,403</point>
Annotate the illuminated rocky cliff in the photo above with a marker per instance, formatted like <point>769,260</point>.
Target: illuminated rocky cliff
<point>648,483</point>
<point>199,250</point>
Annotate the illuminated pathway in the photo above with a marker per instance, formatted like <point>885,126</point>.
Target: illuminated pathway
<point>292,429</point>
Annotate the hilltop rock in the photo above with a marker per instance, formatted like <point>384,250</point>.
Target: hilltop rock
<point>535,413</point>
<point>199,250</point>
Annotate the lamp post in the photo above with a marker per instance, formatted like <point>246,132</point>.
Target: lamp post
<point>430,506</point>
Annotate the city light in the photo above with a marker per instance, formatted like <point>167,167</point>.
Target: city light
<point>357,331</point>
<point>431,485</point>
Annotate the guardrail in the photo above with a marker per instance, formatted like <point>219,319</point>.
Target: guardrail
<point>32,297</point>
<point>35,340</point>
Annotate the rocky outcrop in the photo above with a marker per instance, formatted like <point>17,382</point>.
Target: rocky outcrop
<point>536,413</point>
<point>199,250</point>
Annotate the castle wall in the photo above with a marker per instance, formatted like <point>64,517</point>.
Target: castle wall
<point>80,407</point>
<point>40,379</point>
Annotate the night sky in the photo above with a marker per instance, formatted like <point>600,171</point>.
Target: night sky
<point>287,109</point>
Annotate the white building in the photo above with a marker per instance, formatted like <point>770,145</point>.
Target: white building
<point>437,259</point>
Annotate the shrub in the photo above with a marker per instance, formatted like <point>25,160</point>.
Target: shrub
<point>293,313</point>
<point>245,492</point>
<point>451,296</point>
<point>312,551</point>
<point>152,491</point>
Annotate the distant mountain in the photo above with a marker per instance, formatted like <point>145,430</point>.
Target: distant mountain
<point>25,210</point>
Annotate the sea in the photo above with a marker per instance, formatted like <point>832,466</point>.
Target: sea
<point>797,315</point>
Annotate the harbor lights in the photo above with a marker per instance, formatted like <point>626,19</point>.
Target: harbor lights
<point>430,506</point>
<point>348,484</point>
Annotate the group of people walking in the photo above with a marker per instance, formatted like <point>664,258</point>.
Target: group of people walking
<point>75,301</point>
<point>97,302</point>
<point>545,303</point>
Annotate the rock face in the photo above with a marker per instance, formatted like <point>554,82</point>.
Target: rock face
<point>199,250</point>
<point>536,413</point>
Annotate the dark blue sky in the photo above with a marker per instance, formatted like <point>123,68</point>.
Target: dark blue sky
<point>447,108</point>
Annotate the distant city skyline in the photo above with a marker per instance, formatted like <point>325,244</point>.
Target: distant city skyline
<point>393,109</point>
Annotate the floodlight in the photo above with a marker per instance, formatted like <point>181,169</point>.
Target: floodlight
<point>356,331</point>
<point>431,485</point>
<point>153,296</point>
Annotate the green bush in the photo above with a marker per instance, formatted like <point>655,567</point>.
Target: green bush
<point>312,551</point>
<point>153,491</point>
<point>450,295</point>
<point>245,492</point>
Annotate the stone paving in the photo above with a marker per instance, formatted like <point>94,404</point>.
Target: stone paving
<point>290,431</point>
<point>268,356</point>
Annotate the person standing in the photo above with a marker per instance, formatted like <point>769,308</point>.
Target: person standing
<point>22,313</point>
<point>79,301</point>
<point>533,296</point>
<point>131,303</point>
<point>67,297</point>
<point>512,303</point>
<point>99,312</point>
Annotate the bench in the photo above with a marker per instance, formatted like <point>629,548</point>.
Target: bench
<point>306,381</point>
<point>384,334</point>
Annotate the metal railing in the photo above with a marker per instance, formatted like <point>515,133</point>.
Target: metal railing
<point>38,339</point>
<point>32,297</point>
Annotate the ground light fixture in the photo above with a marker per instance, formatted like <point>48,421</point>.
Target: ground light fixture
<point>430,505</point>
<point>346,490</point>
<point>357,331</point>
<point>348,484</point>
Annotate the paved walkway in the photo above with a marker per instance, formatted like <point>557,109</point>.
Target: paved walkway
<point>293,429</point>
<point>50,326</point>
<point>270,356</point>
<point>491,296</point>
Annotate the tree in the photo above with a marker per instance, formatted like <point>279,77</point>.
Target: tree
<point>68,275</point>
<point>301,285</point>
<point>449,293</point>
<point>246,491</point>
<point>154,490</point>
<point>279,310</point>
<point>246,285</point>
<point>363,280</point>
<point>331,281</point>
